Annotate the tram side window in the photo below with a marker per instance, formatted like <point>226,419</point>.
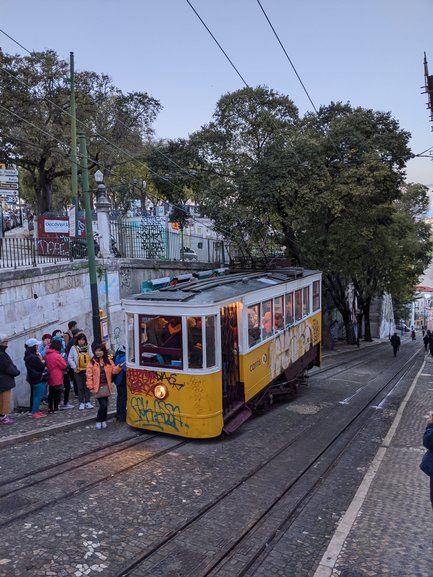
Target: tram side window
<point>253,325</point>
<point>306,301</point>
<point>267,319</point>
<point>316,295</point>
<point>161,340</point>
<point>195,342</point>
<point>298,305</point>
<point>210,341</point>
<point>290,317</point>
<point>130,337</point>
<point>279,313</point>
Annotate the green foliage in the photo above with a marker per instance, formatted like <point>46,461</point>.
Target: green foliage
<point>35,121</point>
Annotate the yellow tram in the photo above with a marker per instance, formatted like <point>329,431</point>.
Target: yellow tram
<point>204,353</point>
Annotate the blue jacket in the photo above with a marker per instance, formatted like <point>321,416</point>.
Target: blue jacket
<point>119,358</point>
<point>426,464</point>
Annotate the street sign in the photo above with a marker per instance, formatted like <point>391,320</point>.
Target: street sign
<point>8,172</point>
<point>8,178</point>
<point>9,185</point>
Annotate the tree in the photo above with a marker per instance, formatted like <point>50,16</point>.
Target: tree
<point>35,120</point>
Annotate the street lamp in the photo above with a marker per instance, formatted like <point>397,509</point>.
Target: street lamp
<point>103,207</point>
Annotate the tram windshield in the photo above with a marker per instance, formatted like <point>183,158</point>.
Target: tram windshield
<point>161,341</point>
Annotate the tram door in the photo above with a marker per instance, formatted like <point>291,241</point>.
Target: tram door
<point>233,391</point>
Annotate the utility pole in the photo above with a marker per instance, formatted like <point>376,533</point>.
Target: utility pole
<point>96,324</point>
<point>74,164</point>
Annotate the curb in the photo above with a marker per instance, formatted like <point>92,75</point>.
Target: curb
<point>40,431</point>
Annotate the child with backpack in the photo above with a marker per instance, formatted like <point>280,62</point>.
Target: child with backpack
<point>78,359</point>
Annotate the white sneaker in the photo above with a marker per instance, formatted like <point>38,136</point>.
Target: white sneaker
<point>82,406</point>
<point>66,407</point>
<point>88,406</point>
<point>104,424</point>
<point>98,425</point>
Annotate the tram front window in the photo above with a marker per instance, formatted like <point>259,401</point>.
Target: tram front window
<point>195,342</point>
<point>161,341</point>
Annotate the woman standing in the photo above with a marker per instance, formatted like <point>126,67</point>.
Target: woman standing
<point>99,374</point>
<point>56,366</point>
<point>8,372</point>
<point>35,367</point>
<point>78,360</point>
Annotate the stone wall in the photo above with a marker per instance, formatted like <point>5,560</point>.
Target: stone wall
<point>39,300</point>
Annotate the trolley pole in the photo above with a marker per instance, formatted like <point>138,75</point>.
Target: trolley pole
<point>90,243</point>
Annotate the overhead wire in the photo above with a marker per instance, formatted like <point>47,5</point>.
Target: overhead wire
<point>288,57</point>
<point>218,44</point>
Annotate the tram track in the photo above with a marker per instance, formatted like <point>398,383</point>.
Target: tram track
<point>166,547</point>
<point>15,504</point>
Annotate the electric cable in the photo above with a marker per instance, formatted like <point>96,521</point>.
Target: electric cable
<point>218,44</point>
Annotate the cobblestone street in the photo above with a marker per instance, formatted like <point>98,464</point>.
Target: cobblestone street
<point>267,501</point>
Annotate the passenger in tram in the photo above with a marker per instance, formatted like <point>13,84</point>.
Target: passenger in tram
<point>195,342</point>
<point>267,325</point>
<point>152,331</point>
<point>253,327</point>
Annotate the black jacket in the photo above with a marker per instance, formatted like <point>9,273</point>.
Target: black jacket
<point>8,371</point>
<point>34,367</point>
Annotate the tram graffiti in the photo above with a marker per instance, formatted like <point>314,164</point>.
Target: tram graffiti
<point>157,414</point>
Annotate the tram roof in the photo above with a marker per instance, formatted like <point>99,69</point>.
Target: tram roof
<point>223,287</point>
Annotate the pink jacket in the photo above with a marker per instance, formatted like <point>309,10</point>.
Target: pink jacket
<point>56,365</point>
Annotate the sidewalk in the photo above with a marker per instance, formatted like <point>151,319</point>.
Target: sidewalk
<point>26,427</point>
<point>387,530</point>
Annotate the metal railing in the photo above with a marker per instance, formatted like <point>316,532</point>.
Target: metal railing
<point>127,241</point>
<point>156,242</point>
<point>20,252</point>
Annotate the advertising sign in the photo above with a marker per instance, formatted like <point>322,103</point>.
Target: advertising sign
<point>53,235</point>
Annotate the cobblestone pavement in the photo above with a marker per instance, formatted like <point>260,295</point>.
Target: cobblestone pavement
<point>391,527</point>
<point>95,529</point>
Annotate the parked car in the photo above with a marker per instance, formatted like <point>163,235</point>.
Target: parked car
<point>189,254</point>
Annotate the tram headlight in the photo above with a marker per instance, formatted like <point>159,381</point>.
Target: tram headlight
<point>160,391</point>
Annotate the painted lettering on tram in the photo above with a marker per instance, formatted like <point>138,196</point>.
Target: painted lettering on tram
<point>157,414</point>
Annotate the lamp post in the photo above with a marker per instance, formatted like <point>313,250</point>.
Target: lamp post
<point>103,207</point>
<point>96,325</point>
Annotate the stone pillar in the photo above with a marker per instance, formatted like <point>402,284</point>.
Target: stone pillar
<point>103,206</point>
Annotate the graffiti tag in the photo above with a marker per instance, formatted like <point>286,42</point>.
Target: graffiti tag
<point>157,415</point>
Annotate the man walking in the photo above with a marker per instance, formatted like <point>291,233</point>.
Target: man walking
<point>395,343</point>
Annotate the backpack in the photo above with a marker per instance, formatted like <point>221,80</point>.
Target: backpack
<point>83,360</point>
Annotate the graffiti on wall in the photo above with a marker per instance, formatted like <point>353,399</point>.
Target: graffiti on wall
<point>151,234</point>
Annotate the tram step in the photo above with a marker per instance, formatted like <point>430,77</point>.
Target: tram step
<point>234,419</point>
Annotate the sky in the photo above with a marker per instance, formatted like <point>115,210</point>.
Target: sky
<point>369,53</point>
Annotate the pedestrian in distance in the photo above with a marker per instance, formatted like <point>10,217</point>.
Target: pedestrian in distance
<point>120,381</point>
<point>426,464</point>
<point>430,344</point>
<point>395,343</point>
<point>67,335</point>
<point>425,340</point>
<point>44,344</point>
<point>413,334</point>
<point>58,336</point>
<point>8,372</point>
<point>99,373</point>
<point>56,366</point>
<point>78,359</point>
<point>36,372</point>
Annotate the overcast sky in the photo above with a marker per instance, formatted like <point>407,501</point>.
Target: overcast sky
<point>367,52</point>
